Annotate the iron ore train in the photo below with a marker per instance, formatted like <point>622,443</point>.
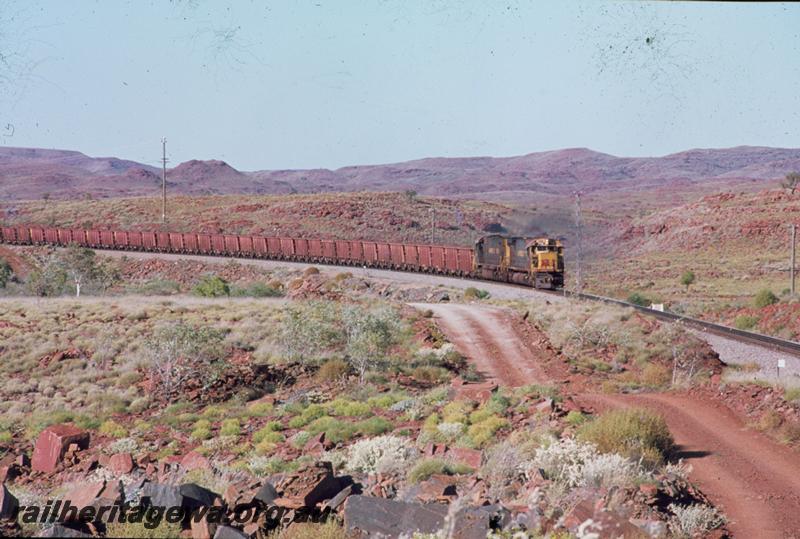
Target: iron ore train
<point>538,262</point>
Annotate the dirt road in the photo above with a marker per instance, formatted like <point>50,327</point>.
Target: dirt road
<point>753,479</point>
<point>485,336</point>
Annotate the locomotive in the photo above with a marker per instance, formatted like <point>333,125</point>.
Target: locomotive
<point>537,262</point>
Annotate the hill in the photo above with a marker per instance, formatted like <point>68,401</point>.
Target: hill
<point>536,178</point>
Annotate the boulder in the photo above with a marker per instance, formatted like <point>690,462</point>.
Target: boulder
<point>195,461</point>
<point>53,443</point>
<point>307,486</point>
<point>591,517</point>
<point>121,463</point>
<point>463,455</point>
<point>158,494</point>
<point>196,496</point>
<point>229,532</point>
<point>266,494</point>
<point>366,516</point>
<point>8,503</point>
<point>437,488</point>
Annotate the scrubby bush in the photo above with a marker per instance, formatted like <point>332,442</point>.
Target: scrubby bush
<point>212,286</point>
<point>5,273</point>
<point>635,433</point>
<point>230,427</point>
<point>763,298</point>
<point>745,322</point>
<point>348,408</point>
<point>483,432</point>
<point>260,409</point>
<point>335,430</point>
<point>113,429</point>
<point>694,520</point>
<point>475,293</point>
<point>579,464</point>
<point>256,290</point>
<point>426,468</point>
<point>380,454</point>
<point>373,426</point>
<point>638,299</point>
<point>333,370</point>
<point>309,414</point>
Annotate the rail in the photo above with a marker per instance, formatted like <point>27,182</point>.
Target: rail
<point>457,269</point>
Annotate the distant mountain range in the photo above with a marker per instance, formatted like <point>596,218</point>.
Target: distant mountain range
<point>30,173</point>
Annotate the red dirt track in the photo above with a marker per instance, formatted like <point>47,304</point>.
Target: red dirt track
<point>754,480</point>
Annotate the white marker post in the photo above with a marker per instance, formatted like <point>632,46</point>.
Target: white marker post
<point>781,365</point>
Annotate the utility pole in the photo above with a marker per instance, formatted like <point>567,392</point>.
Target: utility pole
<point>164,180</point>
<point>794,252</point>
<point>433,225</point>
<point>578,243</point>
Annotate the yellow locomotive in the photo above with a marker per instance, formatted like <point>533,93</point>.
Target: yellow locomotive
<point>538,262</point>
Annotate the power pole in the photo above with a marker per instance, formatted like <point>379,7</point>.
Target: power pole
<point>794,251</point>
<point>578,243</point>
<point>433,225</point>
<point>164,180</point>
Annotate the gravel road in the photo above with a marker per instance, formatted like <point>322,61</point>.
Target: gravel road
<point>734,352</point>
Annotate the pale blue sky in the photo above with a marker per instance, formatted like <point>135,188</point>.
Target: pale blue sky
<point>296,84</point>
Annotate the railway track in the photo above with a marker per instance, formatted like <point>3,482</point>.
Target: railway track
<point>758,339</point>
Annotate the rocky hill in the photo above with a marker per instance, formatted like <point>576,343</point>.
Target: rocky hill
<point>35,173</point>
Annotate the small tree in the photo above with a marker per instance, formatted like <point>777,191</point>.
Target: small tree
<point>212,286</point>
<point>48,280</point>
<point>80,265</point>
<point>370,334</point>
<point>178,352</point>
<point>764,297</point>
<point>5,273</point>
<point>791,182</point>
<point>687,279</point>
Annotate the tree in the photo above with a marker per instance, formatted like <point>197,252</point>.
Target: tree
<point>178,352</point>
<point>80,265</point>
<point>48,280</point>
<point>687,279</point>
<point>791,182</point>
<point>369,335</point>
<point>5,273</point>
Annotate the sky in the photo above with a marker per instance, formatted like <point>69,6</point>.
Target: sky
<point>324,84</point>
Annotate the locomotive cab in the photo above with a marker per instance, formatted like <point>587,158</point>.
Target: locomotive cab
<point>547,263</point>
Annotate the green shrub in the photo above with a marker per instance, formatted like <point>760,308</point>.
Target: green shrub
<point>434,375</point>
<point>745,322</point>
<point>792,394</point>
<point>763,298</point>
<point>309,414</point>
<point>6,436</point>
<point>212,286</point>
<point>335,430</point>
<point>267,435</point>
<point>373,426</point>
<point>348,408</point>
<point>483,432</point>
<point>256,290</point>
<point>575,418</point>
<point>230,427</point>
<point>634,433</point>
<point>426,468</point>
<point>260,409</point>
<point>638,299</point>
<point>201,433</point>
<point>475,293</point>
<point>113,429</point>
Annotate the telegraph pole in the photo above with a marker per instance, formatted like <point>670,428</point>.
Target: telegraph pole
<point>164,180</point>
<point>578,242</point>
<point>794,251</point>
<point>433,225</point>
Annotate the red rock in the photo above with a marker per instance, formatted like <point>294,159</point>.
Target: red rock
<point>52,444</point>
<point>23,460</point>
<point>463,455</point>
<point>315,446</point>
<point>9,473</point>
<point>436,488</point>
<point>121,463</point>
<point>195,461</point>
<point>202,529</point>
<point>84,494</point>
<point>307,486</point>
<point>432,449</point>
